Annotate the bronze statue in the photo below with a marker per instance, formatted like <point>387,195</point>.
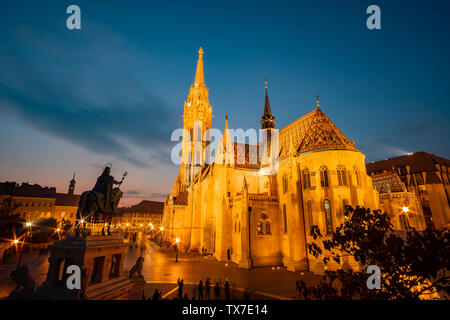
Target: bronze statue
<point>136,270</point>
<point>99,204</point>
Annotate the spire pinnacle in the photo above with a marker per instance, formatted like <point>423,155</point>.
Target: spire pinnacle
<point>199,75</point>
<point>317,101</point>
<point>267,120</point>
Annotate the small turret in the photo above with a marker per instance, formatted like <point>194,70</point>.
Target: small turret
<point>268,119</point>
<point>72,185</point>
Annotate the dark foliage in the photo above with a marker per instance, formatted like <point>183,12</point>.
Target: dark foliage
<point>11,224</point>
<point>413,264</point>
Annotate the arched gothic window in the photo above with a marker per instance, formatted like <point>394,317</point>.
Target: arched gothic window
<point>310,214</point>
<point>260,227</point>
<point>356,175</point>
<point>328,216</point>
<point>268,227</point>
<point>306,179</point>
<point>284,219</point>
<point>344,207</point>
<point>342,175</point>
<point>324,177</point>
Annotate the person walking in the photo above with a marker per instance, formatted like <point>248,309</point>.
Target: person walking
<point>297,287</point>
<point>217,291</point>
<point>180,288</point>
<point>156,295</point>
<point>227,290</point>
<point>208,288</point>
<point>200,290</point>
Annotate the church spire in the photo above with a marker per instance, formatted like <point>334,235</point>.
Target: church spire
<point>72,185</point>
<point>268,119</point>
<point>199,75</point>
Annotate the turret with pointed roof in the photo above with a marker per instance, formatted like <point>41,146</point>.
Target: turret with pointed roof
<point>268,119</point>
<point>72,185</point>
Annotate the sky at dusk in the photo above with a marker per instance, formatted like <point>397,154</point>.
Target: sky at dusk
<point>112,92</point>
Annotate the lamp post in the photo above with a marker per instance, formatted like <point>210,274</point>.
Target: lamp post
<point>16,241</point>
<point>405,209</point>
<point>176,249</point>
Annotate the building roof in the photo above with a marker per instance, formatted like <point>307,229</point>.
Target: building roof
<point>27,190</point>
<point>67,200</point>
<point>36,191</point>
<point>388,182</point>
<point>313,132</point>
<point>418,162</point>
<point>145,206</point>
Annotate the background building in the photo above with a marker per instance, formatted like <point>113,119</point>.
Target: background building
<point>34,202</point>
<point>402,206</point>
<point>428,177</point>
<point>141,215</point>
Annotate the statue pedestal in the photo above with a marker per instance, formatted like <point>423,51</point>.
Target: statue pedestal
<point>100,259</point>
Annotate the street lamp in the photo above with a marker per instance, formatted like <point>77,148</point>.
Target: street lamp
<point>176,249</point>
<point>405,209</point>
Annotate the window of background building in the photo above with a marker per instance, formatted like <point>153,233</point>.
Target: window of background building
<point>404,225</point>
<point>403,170</point>
<point>284,219</point>
<point>328,217</point>
<point>324,177</point>
<point>419,178</point>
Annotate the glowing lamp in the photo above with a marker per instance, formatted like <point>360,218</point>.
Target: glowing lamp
<point>405,209</point>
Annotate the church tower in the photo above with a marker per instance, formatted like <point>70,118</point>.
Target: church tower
<point>72,185</point>
<point>196,122</point>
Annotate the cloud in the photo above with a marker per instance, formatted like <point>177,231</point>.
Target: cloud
<point>132,193</point>
<point>90,90</point>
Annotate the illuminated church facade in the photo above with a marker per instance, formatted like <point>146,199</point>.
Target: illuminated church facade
<point>240,211</point>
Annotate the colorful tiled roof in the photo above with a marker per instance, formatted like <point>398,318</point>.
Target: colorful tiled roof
<point>312,132</point>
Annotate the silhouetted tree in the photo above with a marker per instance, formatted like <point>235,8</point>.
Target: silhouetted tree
<point>413,264</point>
<point>11,223</point>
